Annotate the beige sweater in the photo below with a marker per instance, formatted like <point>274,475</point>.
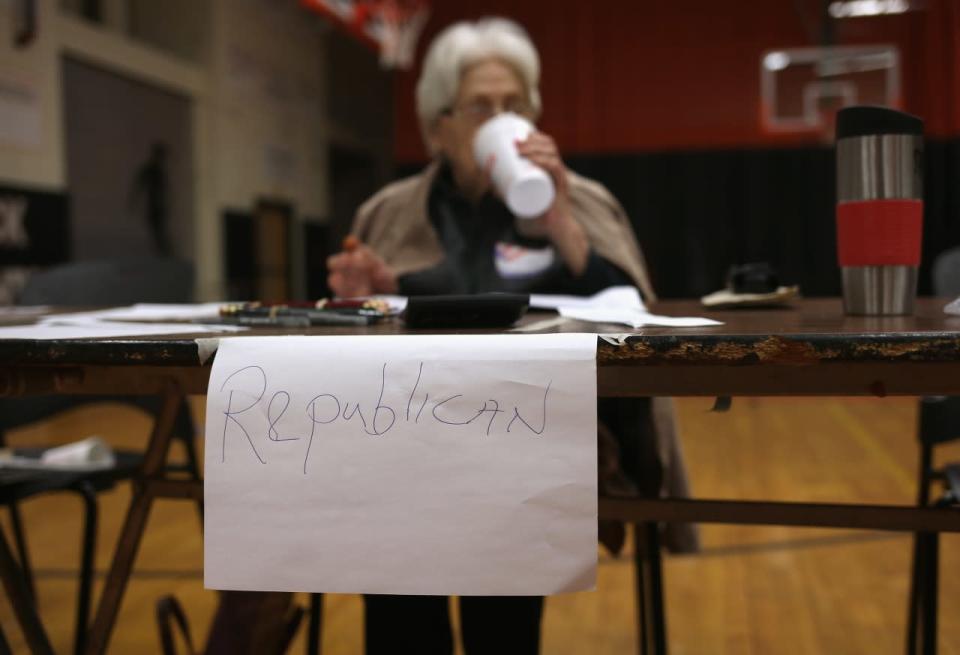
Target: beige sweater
<point>395,223</point>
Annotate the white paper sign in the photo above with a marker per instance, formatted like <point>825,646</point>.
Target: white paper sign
<point>442,464</point>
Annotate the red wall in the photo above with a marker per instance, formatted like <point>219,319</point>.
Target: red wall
<point>642,75</point>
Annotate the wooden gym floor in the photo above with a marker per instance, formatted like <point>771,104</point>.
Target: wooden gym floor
<point>753,590</point>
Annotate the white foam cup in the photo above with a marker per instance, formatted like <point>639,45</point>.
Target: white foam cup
<point>526,188</point>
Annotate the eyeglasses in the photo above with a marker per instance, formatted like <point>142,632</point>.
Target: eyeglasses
<point>478,111</point>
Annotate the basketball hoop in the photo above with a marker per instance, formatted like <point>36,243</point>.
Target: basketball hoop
<point>801,89</point>
<point>390,27</point>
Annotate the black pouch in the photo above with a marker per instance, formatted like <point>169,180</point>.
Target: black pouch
<point>757,277</point>
<point>482,310</point>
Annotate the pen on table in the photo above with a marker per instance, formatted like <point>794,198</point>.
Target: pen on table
<point>300,320</point>
<point>347,311</point>
<point>283,310</point>
<point>369,306</point>
<point>337,318</point>
<point>267,321</point>
<point>316,316</point>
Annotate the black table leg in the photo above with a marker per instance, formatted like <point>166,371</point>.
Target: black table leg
<point>23,552</point>
<point>915,594</point>
<point>131,533</point>
<point>22,602</point>
<point>652,635</point>
<point>87,554</point>
<point>639,564</point>
<point>316,624</point>
<point>929,592</point>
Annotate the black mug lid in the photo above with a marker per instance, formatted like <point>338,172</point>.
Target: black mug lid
<point>865,120</point>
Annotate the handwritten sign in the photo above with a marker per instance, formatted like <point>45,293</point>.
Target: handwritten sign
<point>442,464</point>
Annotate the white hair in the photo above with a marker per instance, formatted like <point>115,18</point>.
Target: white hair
<point>460,46</point>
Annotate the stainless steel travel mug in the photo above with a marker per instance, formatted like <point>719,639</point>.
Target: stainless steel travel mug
<point>879,208</point>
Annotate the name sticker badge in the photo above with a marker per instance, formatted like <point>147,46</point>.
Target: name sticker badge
<point>513,261</point>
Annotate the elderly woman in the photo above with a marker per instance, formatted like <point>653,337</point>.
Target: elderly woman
<point>446,231</point>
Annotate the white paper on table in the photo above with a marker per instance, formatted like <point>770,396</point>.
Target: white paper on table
<point>619,297</point>
<point>104,329</point>
<point>144,312</point>
<point>634,318</point>
<point>441,464</point>
<point>952,307</point>
<point>539,326</point>
<point>90,454</point>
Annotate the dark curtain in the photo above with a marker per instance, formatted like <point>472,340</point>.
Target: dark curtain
<point>698,213</point>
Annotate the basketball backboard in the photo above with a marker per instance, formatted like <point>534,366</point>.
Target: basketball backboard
<point>802,88</point>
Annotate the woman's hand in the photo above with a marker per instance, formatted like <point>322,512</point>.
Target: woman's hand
<point>358,271</point>
<point>557,224</point>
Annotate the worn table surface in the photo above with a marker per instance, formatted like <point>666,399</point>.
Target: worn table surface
<point>808,331</point>
<point>810,347</point>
